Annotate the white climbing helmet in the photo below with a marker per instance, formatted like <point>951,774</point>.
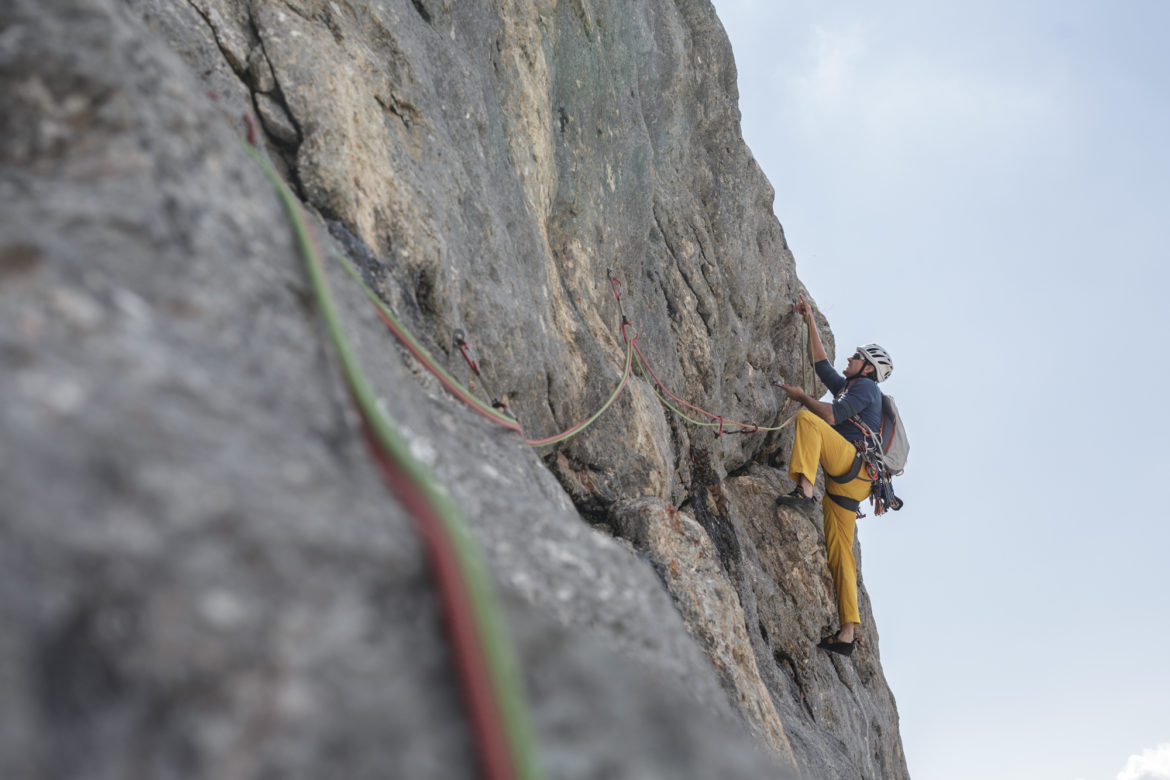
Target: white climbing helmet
<point>879,359</point>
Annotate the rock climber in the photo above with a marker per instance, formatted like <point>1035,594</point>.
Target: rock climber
<point>826,436</point>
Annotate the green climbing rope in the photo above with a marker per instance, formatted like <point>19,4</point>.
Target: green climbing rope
<point>489,620</point>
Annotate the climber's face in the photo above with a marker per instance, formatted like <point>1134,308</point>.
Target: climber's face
<point>854,366</point>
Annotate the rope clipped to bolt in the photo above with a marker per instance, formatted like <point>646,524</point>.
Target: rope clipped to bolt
<point>714,420</point>
<point>499,413</point>
<point>480,643</point>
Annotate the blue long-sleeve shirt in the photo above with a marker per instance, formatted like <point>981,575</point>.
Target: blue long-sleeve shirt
<point>858,396</point>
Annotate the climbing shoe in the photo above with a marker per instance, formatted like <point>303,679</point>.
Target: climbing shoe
<point>796,499</point>
<point>834,644</point>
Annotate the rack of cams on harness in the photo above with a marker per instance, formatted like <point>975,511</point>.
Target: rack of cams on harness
<point>871,456</point>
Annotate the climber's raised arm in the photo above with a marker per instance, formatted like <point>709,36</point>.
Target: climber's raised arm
<point>804,309</point>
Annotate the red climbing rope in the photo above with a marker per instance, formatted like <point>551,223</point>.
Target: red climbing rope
<point>454,387</point>
<point>723,421</point>
<point>459,618</point>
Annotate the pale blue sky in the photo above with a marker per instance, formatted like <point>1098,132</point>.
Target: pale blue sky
<point>984,189</point>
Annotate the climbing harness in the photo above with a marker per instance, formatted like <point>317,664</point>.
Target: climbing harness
<point>876,471</point>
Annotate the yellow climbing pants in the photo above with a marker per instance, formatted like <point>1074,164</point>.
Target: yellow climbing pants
<point>817,443</point>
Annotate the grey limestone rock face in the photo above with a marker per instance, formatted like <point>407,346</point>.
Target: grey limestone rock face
<point>201,572</point>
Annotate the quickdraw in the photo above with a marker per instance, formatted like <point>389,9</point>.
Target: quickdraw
<point>465,349</point>
<point>615,283</point>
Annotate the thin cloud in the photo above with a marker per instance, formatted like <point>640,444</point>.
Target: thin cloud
<point>1152,764</point>
<point>900,100</point>
<point>829,84</point>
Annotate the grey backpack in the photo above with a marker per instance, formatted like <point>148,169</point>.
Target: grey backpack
<point>895,445</point>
